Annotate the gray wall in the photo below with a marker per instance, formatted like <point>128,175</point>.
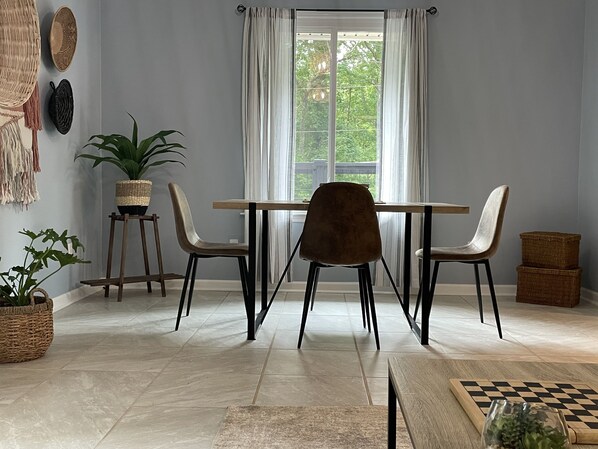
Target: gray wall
<point>588,155</point>
<point>505,108</point>
<point>70,194</point>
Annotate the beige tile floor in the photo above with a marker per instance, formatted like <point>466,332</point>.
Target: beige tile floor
<point>117,376</point>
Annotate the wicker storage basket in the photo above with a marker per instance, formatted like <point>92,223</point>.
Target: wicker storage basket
<point>27,331</point>
<point>550,250</point>
<point>548,286</point>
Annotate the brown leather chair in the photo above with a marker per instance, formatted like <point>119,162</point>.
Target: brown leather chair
<point>341,230</point>
<point>478,251</point>
<point>197,248</point>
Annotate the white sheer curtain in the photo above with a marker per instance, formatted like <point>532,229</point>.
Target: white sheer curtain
<point>403,141</point>
<point>267,118</point>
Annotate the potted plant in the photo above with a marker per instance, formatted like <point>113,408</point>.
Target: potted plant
<point>522,425</point>
<point>134,158</point>
<point>26,322</point>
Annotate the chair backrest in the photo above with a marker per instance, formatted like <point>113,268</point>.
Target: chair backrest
<point>341,226</point>
<point>185,230</point>
<point>487,236</point>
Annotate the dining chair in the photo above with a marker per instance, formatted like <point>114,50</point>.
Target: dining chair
<point>478,251</point>
<point>341,230</point>
<point>197,248</point>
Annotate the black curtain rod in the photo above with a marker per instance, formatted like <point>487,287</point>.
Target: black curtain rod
<point>432,10</point>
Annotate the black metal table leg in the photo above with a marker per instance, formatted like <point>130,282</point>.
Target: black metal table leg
<point>407,264</point>
<point>250,307</point>
<point>265,258</point>
<point>426,297</point>
<point>392,414</point>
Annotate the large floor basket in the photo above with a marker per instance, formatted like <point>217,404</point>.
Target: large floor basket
<point>26,332</point>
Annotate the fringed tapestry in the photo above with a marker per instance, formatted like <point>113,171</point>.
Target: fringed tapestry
<point>19,153</point>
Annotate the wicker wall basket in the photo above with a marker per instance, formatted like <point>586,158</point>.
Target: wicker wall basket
<point>26,332</point>
<point>133,196</point>
<point>20,51</point>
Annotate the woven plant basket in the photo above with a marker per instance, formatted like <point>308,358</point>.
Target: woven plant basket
<point>133,196</point>
<point>26,331</point>
<point>19,51</point>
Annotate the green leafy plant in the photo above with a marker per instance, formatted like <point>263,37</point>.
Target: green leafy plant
<point>19,280</point>
<point>132,156</point>
<point>525,429</point>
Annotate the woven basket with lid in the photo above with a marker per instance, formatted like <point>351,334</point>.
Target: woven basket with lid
<point>20,48</point>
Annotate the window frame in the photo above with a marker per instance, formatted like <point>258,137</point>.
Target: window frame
<point>332,23</point>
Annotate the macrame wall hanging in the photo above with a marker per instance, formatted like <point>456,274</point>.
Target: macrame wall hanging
<point>20,47</point>
<point>19,153</point>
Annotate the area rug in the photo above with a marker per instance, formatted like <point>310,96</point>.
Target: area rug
<point>252,427</point>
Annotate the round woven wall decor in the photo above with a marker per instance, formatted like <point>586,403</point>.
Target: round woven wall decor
<point>19,51</point>
<point>61,106</point>
<point>63,38</point>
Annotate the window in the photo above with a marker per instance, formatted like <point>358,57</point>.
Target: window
<point>338,61</point>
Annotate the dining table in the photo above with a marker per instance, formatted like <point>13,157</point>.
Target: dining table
<point>435,418</point>
<point>427,209</point>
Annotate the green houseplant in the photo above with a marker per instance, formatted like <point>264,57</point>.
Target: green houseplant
<point>26,323</point>
<point>521,425</point>
<point>134,157</point>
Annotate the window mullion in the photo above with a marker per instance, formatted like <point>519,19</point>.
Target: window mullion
<point>332,107</point>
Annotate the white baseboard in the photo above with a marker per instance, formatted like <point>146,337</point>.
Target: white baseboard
<point>68,298</point>
<point>73,296</point>
<point>589,296</point>
<point>331,287</point>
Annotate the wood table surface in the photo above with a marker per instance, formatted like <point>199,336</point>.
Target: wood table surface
<point>433,415</point>
<point>416,208</point>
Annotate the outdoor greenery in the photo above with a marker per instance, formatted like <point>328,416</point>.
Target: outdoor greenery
<point>132,156</point>
<point>357,103</point>
<point>18,281</point>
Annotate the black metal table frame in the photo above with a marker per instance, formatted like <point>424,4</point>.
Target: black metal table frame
<point>254,321</point>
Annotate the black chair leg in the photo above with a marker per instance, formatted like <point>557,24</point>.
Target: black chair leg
<point>493,295</point>
<point>432,288</point>
<point>365,306</point>
<point>362,298</point>
<point>308,292</point>
<point>192,286</point>
<point>479,291</point>
<point>183,292</point>
<point>372,304</point>
<point>243,275</point>
<point>313,292</point>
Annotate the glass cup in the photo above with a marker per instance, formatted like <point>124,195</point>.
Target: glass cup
<point>515,425</point>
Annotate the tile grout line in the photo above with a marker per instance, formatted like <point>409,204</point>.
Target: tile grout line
<point>157,374</point>
<point>263,371</point>
<point>363,376</point>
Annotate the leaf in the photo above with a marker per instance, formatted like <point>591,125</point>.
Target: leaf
<point>135,129</point>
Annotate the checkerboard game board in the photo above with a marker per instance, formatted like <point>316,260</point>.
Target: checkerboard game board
<point>577,401</point>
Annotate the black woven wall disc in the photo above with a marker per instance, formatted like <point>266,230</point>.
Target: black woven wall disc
<point>61,106</point>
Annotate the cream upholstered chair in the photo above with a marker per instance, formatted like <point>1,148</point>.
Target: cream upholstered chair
<point>341,230</point>
<point>200,249</point>
<point>478,251</point>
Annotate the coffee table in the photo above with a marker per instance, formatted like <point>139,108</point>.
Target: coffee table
<point>434,417</point>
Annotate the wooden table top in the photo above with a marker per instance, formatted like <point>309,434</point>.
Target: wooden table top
<point>433,415</point>
<point>437,208</point>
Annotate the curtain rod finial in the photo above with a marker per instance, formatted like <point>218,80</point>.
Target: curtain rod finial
<point>241,8</point>
<point>433,10</point>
